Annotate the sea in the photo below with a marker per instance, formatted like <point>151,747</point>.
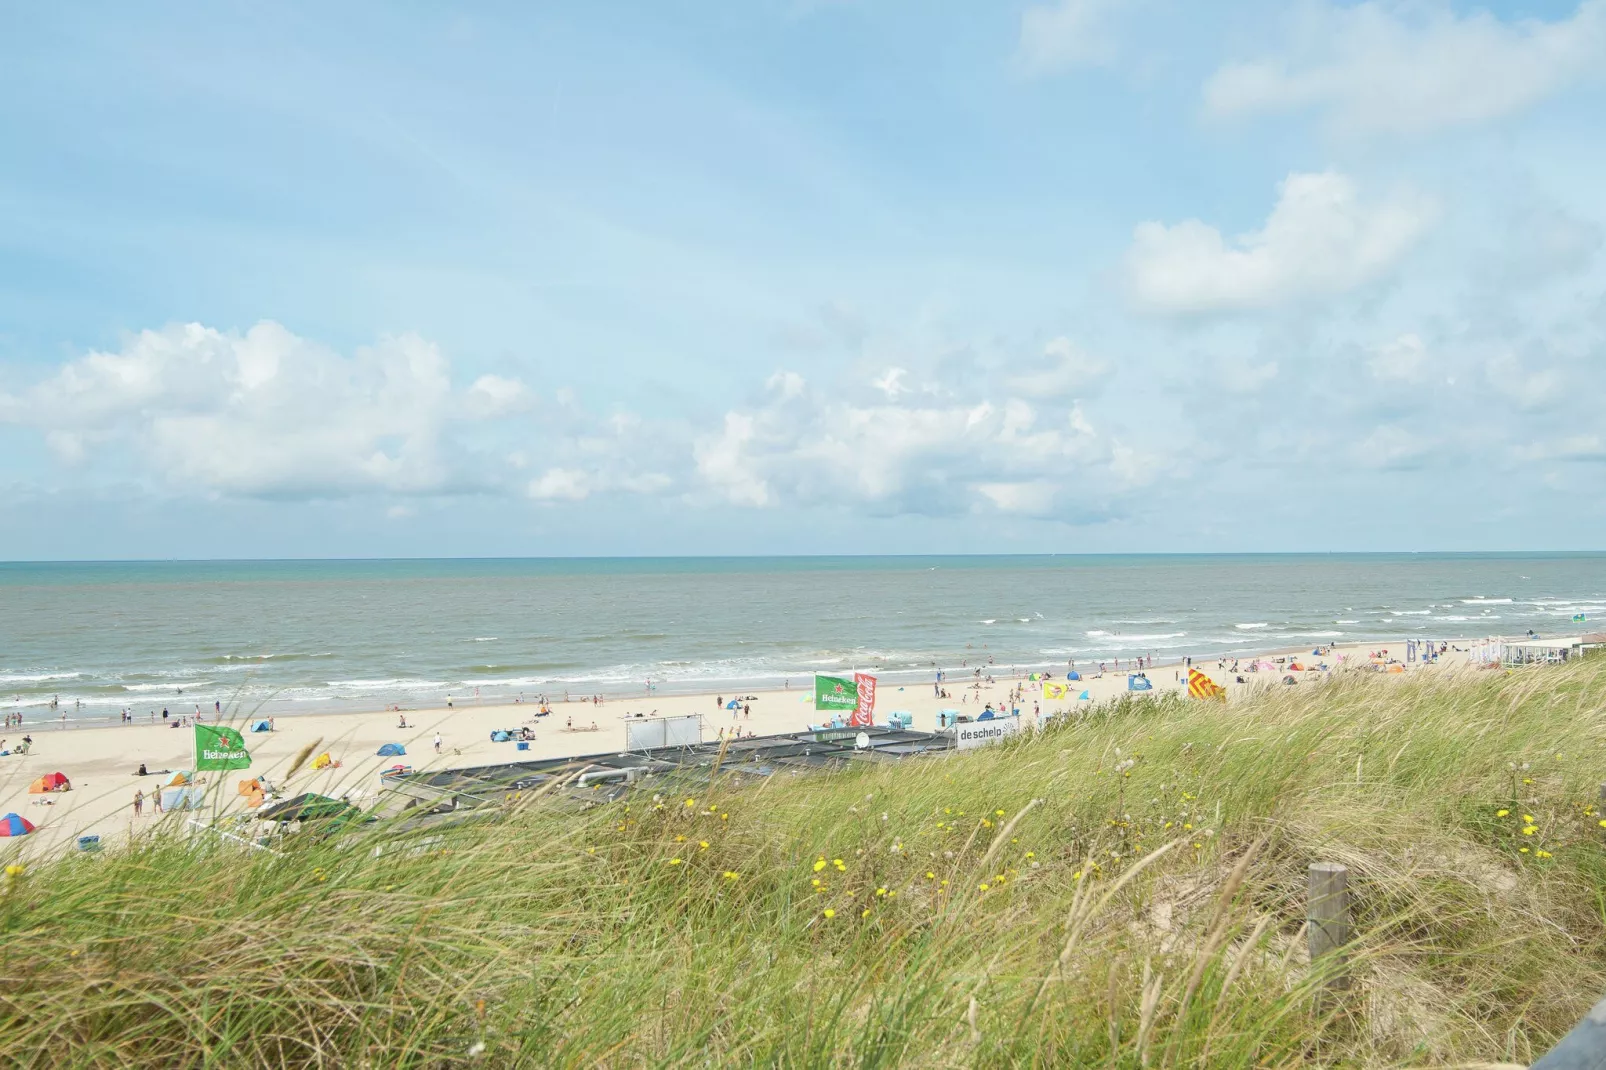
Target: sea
<point>93,639</point>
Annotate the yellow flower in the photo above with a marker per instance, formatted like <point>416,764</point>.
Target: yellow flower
<point>691,802</point>
<point>1527,819</point>
<point>17,869</point>
<point>1076,876</point>
<point>1524,850</point>
<point>703,844</point>
<point>866,913</point>
<point>1530,830</point>
<point>837,862</point>
<point>680,839</point>
<point>1527,780</point>
<point>999,813</point>
<point>1031,854</point>
<point>1501,813</point>
<point>1542,854</point>
<point>830,913</point>
<point>880,891</point>
<point>930,876</point>
<point>819,865</point>
<point>1188,827</point>
<point>731,874</point>
<point>724,817</point>
<point>815,882</point>
<point>984,887</point>
<point>674,861</point>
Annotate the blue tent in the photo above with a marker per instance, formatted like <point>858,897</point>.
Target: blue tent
<point>391,750</point>
<point>1138,682</point>
<point>1073,676</point>
<point>499,736</point>
<point>1083,696</point>
<point>262,726</point>
<point>733,705</point>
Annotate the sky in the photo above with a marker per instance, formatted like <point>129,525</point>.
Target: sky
<point>801,276</point>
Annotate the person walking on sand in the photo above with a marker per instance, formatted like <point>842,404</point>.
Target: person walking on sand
<point>437,742</point>
<point>139,803</point>
<point>156,801</point>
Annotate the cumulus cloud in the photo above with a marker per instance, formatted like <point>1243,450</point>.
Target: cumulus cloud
<point>266,412</point>
<point>938,451</point>
<point>1398,68</point>
<point>1066,370</point>
<point>1403,359</point>
<point>1067,34</point>
<point>1320,239</point>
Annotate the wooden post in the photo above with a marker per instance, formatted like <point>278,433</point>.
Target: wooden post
<point>1327,913</point>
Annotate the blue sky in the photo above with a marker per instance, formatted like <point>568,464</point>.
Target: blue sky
<point>789,276</point>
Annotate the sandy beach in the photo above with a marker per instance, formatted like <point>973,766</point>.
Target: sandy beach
<point>100,760</point>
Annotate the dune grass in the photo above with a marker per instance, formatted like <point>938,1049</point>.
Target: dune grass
<point>1124,891</point>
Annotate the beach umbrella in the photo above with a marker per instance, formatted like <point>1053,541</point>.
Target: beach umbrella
<point>15,825</point>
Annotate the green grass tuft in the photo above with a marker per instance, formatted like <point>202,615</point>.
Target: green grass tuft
<point>1147,911</point>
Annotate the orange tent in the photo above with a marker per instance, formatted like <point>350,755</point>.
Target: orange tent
<point>250,787</point>
<point>49,782</point>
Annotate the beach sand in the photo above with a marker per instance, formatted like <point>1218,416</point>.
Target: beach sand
<point>100,761</point>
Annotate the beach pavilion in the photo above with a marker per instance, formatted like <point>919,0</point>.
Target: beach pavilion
<point>1536,651</point>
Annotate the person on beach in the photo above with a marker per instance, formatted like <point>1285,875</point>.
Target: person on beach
<point>156,801</point>
<point>139,803</point>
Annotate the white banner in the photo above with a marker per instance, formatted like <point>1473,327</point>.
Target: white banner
<point>981,733</point>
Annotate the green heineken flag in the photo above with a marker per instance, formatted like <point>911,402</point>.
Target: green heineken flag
<point>217,747</point>
<point>835,693</point>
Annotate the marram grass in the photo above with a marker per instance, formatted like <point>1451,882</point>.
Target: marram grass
<point>1126,891</point>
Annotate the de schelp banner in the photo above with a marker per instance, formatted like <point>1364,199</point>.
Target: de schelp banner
<point>864,713</point>
<point>835,693</point>
<point>217,747</point>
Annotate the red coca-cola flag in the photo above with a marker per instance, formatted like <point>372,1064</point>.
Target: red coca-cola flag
<point>864,714</point>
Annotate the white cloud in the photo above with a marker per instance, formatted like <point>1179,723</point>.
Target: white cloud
<point>1067,370</point>
<point>1402,68</point>
<point>1393,447</point>
<point>1528,387</point>
<point>942,450</point>
<point>1067,34</point>
<point>1320,239</point>
<point>560,484</point>
<point>492,395</point>
<point>1404,359</point>
<point>264,412</point>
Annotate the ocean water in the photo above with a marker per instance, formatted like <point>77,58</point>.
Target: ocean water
<point>282,636</point>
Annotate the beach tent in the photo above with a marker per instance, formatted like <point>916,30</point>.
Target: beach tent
<point>1084,696</point>
<point>733,704</point>
<point>1035,676</point>
<point>391,750</point>
<point>1396,668</point>
<point>49,782</point>
<point>250,787</point>
<point>1138,682</point>
<point>1297,667</point>
<point>1073,676</point>
<point>306,807</point>
<point>323,761</point>
<point>184,797</point>
<point>500,736</point>
<point>178,781</point>
<point>1289,680</point>
<point>15,825</point>
<point>262,726</point>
